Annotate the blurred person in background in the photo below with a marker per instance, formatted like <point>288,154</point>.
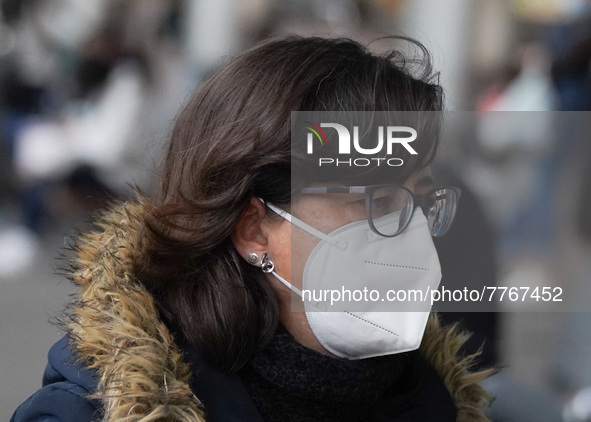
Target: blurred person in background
<point>79,88</point>
<point>571,73</point>
<point>184,304</point>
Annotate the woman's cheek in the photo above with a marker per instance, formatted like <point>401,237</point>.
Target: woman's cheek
<point>289,248</point>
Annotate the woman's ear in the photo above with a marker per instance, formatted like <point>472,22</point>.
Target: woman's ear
<point>248,236</point>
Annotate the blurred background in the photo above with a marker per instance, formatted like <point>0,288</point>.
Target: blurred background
<point>89,89</point>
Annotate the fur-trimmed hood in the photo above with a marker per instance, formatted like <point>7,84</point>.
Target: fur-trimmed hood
<point>116,330</point>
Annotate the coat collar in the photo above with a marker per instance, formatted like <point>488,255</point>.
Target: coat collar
<point>116,331</point>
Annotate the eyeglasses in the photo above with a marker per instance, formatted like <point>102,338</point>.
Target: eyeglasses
<point>439,206</point>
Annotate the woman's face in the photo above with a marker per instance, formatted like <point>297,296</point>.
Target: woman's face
<point>289,246</point>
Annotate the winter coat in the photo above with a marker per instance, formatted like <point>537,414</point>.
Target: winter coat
<point>120,361</point>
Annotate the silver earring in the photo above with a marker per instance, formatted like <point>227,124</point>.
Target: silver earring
<point>266,264</point>
<point>253,258</point>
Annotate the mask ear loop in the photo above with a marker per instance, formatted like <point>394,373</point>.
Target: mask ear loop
<point>268,267</point>
<point>311,230</point>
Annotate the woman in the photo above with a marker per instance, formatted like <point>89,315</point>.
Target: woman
<point>184,308</point>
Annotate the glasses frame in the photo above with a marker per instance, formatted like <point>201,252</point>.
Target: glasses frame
<point>415,200</point>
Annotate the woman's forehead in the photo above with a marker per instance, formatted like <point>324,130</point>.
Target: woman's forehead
<point>419,179</point>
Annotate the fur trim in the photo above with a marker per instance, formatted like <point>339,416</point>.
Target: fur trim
<point>116,330</point>
<point>441,346</point>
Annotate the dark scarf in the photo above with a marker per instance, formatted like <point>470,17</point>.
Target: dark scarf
<point>289,382</point>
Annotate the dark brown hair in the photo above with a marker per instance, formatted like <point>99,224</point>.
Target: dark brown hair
<point>232,142</point>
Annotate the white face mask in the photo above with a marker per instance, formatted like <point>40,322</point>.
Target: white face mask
<point>355,253</point>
